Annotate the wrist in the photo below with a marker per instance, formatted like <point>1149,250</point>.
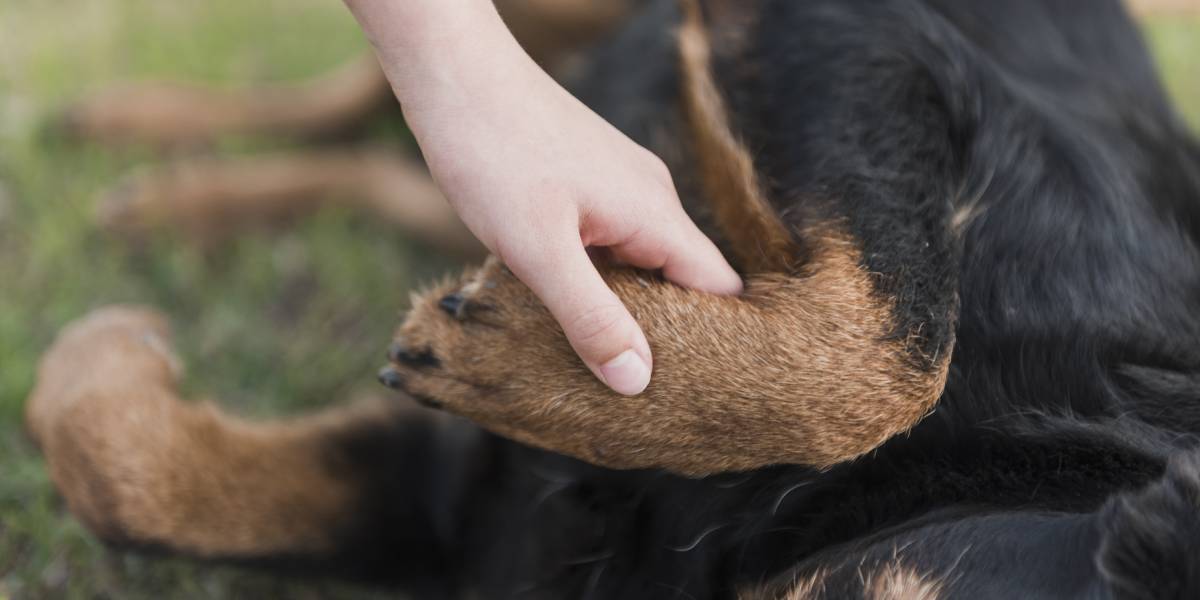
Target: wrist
<point>434,50</point>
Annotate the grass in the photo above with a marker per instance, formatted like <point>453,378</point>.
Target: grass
<point>1175,42</point>
<point>270,323</point>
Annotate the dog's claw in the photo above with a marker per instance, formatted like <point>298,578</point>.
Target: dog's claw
<point>400,353</point>
<point>390,378</point>
<point>452,304</point>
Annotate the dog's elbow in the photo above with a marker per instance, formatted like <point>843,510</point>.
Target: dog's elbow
<point>873,410</point>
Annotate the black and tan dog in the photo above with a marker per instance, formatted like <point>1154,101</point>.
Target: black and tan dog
<point>981,213</point>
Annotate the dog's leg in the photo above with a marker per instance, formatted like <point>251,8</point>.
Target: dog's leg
<point>175,114</point>
<point>819,361</point>
<point>209,198</point>
<point>797,370</point>
<point>350,491</point>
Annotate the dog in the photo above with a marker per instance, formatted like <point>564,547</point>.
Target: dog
<point>966,364</point>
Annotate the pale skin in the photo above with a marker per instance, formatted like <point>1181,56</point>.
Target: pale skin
<point>537,176</point>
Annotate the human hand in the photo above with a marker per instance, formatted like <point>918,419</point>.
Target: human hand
<point>539,178</point>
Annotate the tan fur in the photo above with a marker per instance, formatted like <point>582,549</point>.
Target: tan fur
<point>964,215</point>
<point>893,581</point>
<point>794,371</point>
<point>136,464</point>
<point>807,588</point>
<point>726,170</point>
<point>896,581</point>
<point>210,198</point>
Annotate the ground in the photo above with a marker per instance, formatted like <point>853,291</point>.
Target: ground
<point>271,323</point>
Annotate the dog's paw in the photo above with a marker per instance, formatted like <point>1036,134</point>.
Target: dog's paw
<point>104,349</point>
<point>195,198</point>
<point>485,347</point>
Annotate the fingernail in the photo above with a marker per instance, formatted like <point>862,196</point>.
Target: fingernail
<point>626,374</point>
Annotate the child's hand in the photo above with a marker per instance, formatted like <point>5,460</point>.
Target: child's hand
<point>538,177</point>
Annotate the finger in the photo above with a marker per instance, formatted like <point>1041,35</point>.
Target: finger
<point>596,323</point>
<point>685,255</point>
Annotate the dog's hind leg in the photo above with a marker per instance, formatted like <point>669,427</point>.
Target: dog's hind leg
<point>171,114</point>
<point>367,491</point>
<point>210,198</point>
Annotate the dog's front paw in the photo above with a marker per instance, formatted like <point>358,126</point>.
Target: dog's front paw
<point>485,347</point>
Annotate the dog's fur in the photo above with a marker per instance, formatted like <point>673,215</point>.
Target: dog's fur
<point>985,204</point>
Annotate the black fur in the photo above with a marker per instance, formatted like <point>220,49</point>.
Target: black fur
<point>1071,295</point>
<point>1151,543</point>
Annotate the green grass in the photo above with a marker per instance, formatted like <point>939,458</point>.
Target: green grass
<point>270,323</point>
<point>1175,41</point>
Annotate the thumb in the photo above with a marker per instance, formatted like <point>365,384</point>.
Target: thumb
<point>596,323</point>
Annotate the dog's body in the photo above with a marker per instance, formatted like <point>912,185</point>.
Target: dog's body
<point>1017,212</point>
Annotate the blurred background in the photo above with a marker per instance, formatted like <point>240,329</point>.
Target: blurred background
<point>271,322</point>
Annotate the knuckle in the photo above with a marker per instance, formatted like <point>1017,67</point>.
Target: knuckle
<point>665,180</point>
<point>658,166</point>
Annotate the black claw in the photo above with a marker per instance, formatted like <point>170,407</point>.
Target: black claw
<point>399,352</point>
<point>452,304</point>
<point>391,378</point>
<point>420,359</point>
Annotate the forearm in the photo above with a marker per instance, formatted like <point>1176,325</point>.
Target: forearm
<point>440,51</point>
